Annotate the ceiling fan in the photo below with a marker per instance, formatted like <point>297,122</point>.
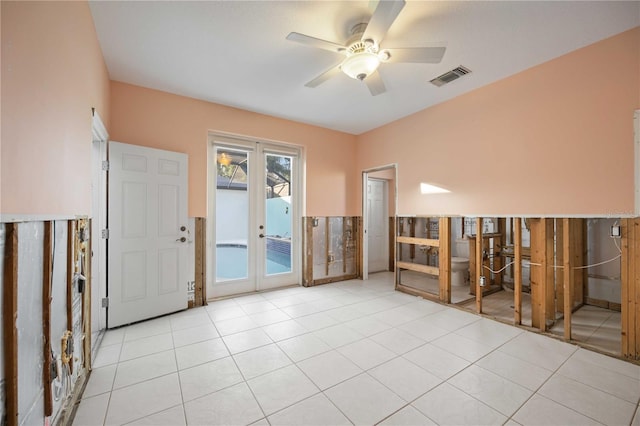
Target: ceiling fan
<point>363,51</point>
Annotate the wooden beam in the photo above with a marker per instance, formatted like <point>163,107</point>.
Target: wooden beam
<point>344,246</point>
<point>498,244</point>
<point>542,294</point>
<point>412,233</point>
<point>517,272</point>
<point>307,256</point>
<point>87,297</point>
<point>425,269</point>
<point>420,241</point>
<point>47,270</point>
<point>200,296</point>
<point>625,283</point>
<point>567,274</point>
<point>479,264</point>
<point>327,242</point>
<point>634,283</point>
<point>550,297</point>
<point>71,264</point>
<point>9,318</point>
<point>392,243</point>
<point>560,259</point>
<point>444,229</point>
<point>538,266</point>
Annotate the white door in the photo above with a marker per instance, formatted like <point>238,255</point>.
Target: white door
<point>147,245</point>
<point>378,225</point>
<point>254,217</point>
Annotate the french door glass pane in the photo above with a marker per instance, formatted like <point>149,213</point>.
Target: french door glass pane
<point>232,214</point>
<point>278,212</point>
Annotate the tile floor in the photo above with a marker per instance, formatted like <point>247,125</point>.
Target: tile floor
<point>594,326</point>
<point>347,353</point>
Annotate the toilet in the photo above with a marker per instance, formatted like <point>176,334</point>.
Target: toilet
<point>459,271</point>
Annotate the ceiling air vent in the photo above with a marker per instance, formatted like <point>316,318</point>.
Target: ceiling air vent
<point>449,76</point>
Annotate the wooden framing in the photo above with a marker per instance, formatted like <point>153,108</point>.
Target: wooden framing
<point>421,241</point>
<point>47,269</point>
<point>392,244</point>
<point>517,271</point>
<point>71,262</point>
<point>425,269</point>
<point>86,298</point>
<point>327,241</point>
<point>630,306</point>
<point>200,291</point>
<point>9,318</point>
<point>542,273</point>
<point>479,264</point>
<point>498,244</point>
<point>307,251</point>
<point>444,232</point>
<point>567,276</point>
<point>561,239</point>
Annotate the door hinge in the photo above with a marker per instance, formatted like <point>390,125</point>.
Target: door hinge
<point>105,302</point>
<point>105,234</point>
<point>105,166</point>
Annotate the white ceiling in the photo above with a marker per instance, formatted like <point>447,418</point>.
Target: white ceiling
<point>235,52</point>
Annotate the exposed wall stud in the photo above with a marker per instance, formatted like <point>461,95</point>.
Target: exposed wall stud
<point>517,271</point>
<point>445,259</point>
<point>568,276</point>
<point>71,259</point>
<point>9,318</point>
<point>479,264</point>
<point>46,317</point>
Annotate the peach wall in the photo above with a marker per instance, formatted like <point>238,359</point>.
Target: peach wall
<point>157,119</point>
<point>556,139</point>
<point>53,73</point>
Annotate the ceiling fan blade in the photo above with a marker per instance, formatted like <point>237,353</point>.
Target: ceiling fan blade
<point>331,72</point>
<point>375,84</point>
<point>422,55</point>
<point>316,42</point>
<point>382,19</point>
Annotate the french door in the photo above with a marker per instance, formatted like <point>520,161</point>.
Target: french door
<point>253,216</point>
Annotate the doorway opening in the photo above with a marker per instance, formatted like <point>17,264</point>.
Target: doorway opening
<point>254,215</point>
<point>379,206</point>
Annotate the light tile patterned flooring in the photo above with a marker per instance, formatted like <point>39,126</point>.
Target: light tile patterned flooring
<point>353,352</point>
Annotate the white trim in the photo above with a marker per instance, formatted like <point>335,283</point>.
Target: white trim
<point>16,218</point>
<point>365,219</point>
<point>98,130</point>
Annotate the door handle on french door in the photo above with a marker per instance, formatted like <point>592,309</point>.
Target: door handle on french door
<point>261,235</point>
<point>182,239</point>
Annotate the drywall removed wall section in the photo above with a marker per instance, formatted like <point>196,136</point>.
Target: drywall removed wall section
<point>603,280</point>
<point>32,321</point>
<point>331,249</point>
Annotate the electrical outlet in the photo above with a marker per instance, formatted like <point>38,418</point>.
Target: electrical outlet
<point>615,231</point>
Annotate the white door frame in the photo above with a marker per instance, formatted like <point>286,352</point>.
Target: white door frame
<point>365,214</point>
<point>298,206</point>
<point>100,140</point>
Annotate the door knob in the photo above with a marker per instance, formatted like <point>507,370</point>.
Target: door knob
<point>183,228</point>
<point>182,239</point>
<point>261,235</point>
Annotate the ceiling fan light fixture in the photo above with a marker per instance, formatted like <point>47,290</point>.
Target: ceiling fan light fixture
<point>360,65</point>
